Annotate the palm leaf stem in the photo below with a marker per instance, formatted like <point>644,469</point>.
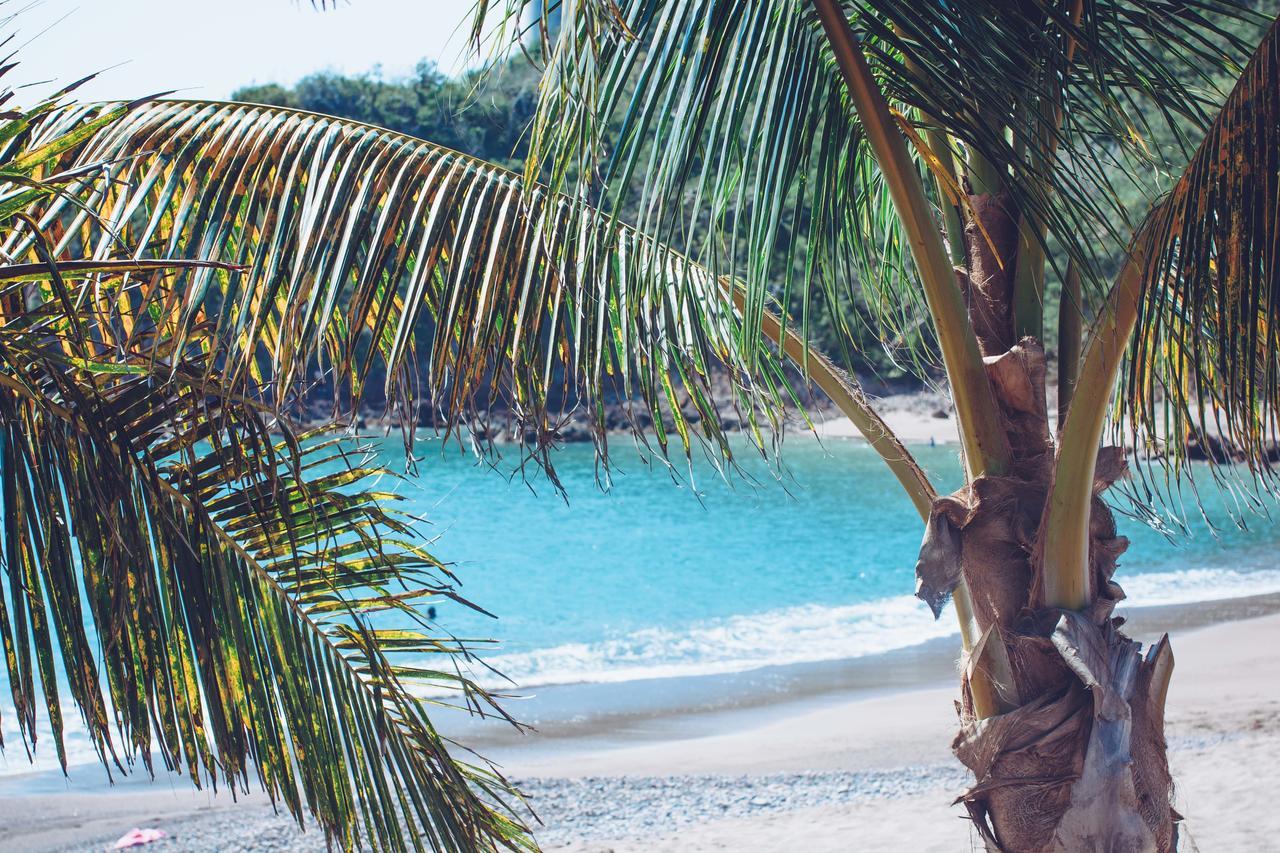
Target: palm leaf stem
<point>990,676</point>
<point>952,222</point>
<point>985,444</point>
<point>1028,280</point>
<point>984,175</point>
<point>940,145</point>
<point>1065,534</point>
<point>849,398</point>
<point>852,402</point>
<point>1070,328</point>
<point>41,271</point>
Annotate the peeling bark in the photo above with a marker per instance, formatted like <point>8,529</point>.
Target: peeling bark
<point>1078,761</point>
<point>1082,769</point>
<point>938,570</point>
<point>1075,761</point>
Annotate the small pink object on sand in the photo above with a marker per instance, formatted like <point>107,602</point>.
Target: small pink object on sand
<point>137,837</point>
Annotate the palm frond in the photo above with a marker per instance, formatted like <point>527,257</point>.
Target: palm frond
<point>729,118</point>
<point>1069,102</point>
<point>1204,371</point>
<point>198,581</point>
<point>203,590</point>
<point>722,127</point>
<point>358,245</point>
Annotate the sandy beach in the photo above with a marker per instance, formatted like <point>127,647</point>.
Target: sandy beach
<point>857,761</point>
<point>923,417</point>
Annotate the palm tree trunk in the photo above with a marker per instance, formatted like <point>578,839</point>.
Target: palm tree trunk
<point>1062,716</point>
<point>1079,763</point>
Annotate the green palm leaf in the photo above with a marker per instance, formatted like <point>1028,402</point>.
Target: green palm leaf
<point>721,127</point>
<point>228,578</point>
<point>760,156</point>
<point>357,244</point>
<point>194,577</point>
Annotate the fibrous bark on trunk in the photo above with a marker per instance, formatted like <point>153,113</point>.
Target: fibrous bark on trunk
<point>991,238</point>
<point>1075,761</point>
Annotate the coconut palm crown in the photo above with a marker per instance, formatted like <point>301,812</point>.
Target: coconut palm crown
<point>697,169</point>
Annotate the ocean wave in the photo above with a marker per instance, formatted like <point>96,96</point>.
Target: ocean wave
<point>1157,589</point>
<point>815,633</point>
<point>803,634</point>
<point>794,635</point>
<point>15,760</point>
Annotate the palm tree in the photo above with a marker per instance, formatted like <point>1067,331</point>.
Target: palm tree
<point>948,157</point>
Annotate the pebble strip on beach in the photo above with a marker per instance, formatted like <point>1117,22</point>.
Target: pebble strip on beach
<point>591,808</point>
<point>636,807</point>
<point>597,808</point>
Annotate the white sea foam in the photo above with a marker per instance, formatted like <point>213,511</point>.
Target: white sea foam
<point>792,635</point>
<point>814,633</point>
<point>14,759</point>
<point>1155,589</point>
<point>806,634</point>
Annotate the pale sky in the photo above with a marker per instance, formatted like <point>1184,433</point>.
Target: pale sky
<point>207,48</point>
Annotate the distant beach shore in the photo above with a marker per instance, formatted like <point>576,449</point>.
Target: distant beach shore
<point>801,757</point>
<point>917,416</point>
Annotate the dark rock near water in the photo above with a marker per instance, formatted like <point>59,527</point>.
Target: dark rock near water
<point>1207,447</point>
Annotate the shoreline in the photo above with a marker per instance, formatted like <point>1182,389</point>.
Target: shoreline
<point>632,715</point>
<point>919,416</point>
<point>829,747</point>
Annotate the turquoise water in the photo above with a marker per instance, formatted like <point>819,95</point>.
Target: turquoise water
<point>662,578</point>
<point>656,577</point>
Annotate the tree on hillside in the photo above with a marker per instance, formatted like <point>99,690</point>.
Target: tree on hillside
<point>490,123</point>
<point>946,155</point>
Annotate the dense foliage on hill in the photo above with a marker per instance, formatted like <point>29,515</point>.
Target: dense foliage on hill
<point>488,124</point>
